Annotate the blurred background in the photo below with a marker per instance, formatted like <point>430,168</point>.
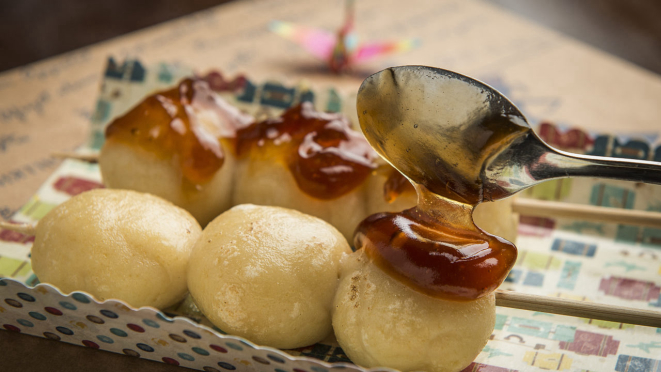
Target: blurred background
<point>37,29</point>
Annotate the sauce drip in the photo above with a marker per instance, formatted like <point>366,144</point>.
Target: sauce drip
<point>436,249</point>
<point>168,124</point>
<point>326,157</point>
<point>441,130</point>
<point>396,184</point>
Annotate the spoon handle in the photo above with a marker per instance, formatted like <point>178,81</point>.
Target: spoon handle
<point>531,161</point>
<point>566,164</point>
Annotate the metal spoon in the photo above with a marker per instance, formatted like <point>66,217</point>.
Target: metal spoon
<point>464,140</point>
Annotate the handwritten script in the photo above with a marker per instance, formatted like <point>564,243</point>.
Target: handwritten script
<point>21,112</point>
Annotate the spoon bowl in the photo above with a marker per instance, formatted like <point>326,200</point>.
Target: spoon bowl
<point>463,140</point>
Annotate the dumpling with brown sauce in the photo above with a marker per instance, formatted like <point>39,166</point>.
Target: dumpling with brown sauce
<point>268,274</point>
<point>174,144</point>
<point>389,191</point>
<point>306,160</point>
<point>419,292</point>
<point>116,244</point>
<point>380,321</point>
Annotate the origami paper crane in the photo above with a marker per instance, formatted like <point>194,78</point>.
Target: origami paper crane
<point>340,49</point>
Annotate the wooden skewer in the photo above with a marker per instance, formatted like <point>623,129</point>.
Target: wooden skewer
<point>91,158</point>
<point>581,309</point>
<point>23,228</point>
<point>533,207</point>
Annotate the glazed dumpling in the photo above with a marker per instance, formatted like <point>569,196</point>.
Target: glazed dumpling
<point>267,182</point>
<point>129,168</point>
<point>379,321</point>
<point>306,160</point>
<point>389,191</point>
<point>268,274</point>
<point>116,244</point>
<point>175,144</point>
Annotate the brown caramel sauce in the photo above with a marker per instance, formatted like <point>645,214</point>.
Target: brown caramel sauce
<point>396,184</point>
<point>166,124</point>
<point>436,249</point>
<point>326,157</point>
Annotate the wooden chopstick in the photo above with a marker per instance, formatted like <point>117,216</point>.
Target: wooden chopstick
<point>90,158</point>
<point>541,208</point>
<point>581,309</point>
<point>23,228</point>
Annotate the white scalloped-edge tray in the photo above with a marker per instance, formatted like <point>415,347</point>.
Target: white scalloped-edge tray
<point>146,332</point>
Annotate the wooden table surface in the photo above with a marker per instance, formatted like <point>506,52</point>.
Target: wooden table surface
<point>45,107</point>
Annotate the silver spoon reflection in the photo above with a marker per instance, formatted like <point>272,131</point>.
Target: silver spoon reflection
<point>465,141</point>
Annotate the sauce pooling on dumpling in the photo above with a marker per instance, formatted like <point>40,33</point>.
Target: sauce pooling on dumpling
<point>395,185</point>
<point>436,248</point>
<point>326,157</point>
<point>440,133</point>
<point>187,122</point>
